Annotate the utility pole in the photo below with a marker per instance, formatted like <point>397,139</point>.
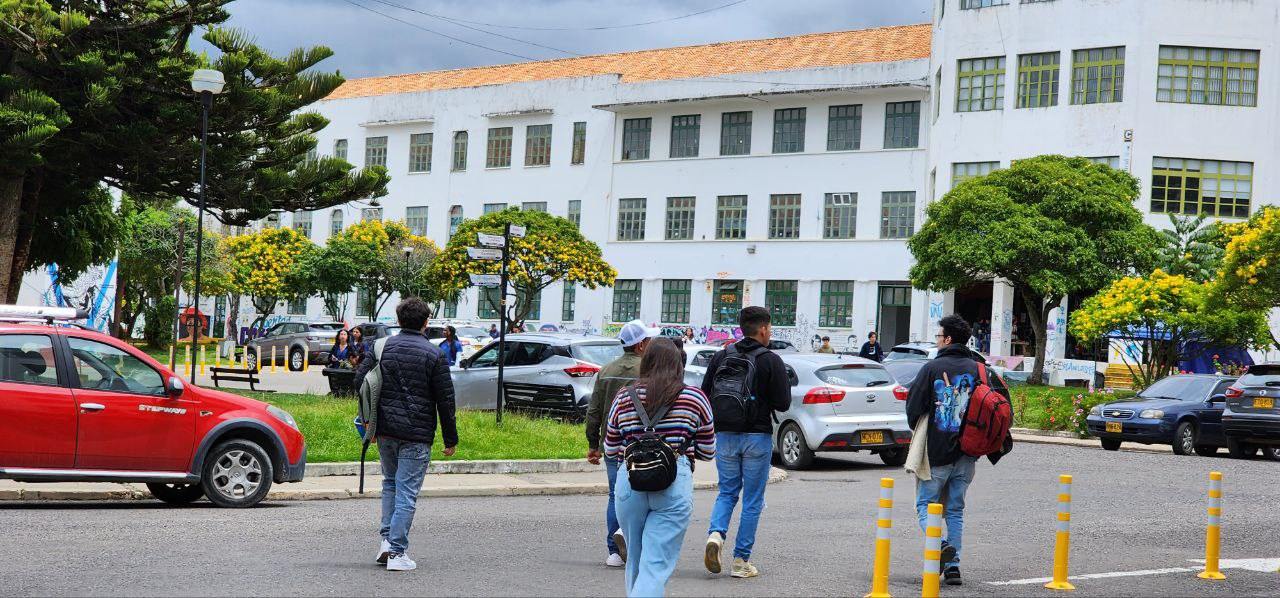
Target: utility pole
<point>177,294</point>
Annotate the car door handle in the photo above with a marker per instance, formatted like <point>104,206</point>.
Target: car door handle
<point>92,407</point>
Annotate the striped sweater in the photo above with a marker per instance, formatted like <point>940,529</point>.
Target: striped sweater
<point>688,417</point>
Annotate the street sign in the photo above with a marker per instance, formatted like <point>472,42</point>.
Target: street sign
<point>484,253</point>
<point>486,280</point>
<point>517,231</point>
<point>491,240</point>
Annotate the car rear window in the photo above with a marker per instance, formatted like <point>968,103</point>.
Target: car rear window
<point>598,353</point>
<point>472,331</point>
<point>904,371</point>
<point>329,327</point>
<point>1267,375</point>
<point>857,376</point>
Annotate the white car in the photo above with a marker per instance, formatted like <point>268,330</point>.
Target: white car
<point>695,364</point>
<point>544,373</point>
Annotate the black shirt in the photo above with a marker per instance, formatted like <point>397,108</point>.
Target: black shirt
<point>772,385</point>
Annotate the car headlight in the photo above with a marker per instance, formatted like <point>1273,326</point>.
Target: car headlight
<point>1151,414</point>
<point>1097,410</point>
<point>283,416</point>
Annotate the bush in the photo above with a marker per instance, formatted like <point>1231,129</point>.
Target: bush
<point>1058,409</point>
<point>157,329</point>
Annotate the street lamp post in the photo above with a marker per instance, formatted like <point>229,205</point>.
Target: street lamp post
<point>206,83</point>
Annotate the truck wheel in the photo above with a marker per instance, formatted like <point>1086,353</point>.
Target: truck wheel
<point>250,359</point>
<point>1110,444</point>
<point>236,474</point>
<point>1184,439</point>
<point>793,449</point>
<point>176,494</point>
<point>894,457</point>
<point>296,360</point>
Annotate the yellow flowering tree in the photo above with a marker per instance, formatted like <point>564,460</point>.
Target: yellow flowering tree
<point>552,250</point>
<point>383,266</point>
<point>1250,273</point>
<point>264,266</point>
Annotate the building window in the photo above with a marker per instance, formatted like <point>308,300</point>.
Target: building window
<point>844,128</point>
<point>840,216</point>
<point>367,214</point>
<point>788,130</point>
<point>490,208</point>
<point>780,300</point>
<point>498,152</point>
<point>784,216</point>
<point>1217,76</point>
<point>567,299</point>
<point>375,151</point>
<point>335,222</point>
<point>1112,161</point>
<point>1213,187</point>
<point>298,306</point>
<point>980,84</point>
<point>272,220</point>
<point>420,152</point>
<point>459,151</point>
<point>901,124</point>
<point>340,149</point>
<point>631,219</point>
<point>635,138</point>
<point>537,145</point>
<point>731,217</point>
<point>575,212</point>
<point>302,223</point>
<point>735,133</point>
<point>415,217</point>
<point>685,131</point>
<point>626,300</point>
<point>970,4</point>
<point>455,219</point>
<point>726,301</point>
<point>534,301</point>
<point>1038,80</point>
<point>362,302</point>
<point>534,206</point>
<point>963,171</point>
<point>579,154</point>
<point>680,213</point>
<point>937,94</point>
<point>490,301</point>
<point>835,304</point>
<point>1097,75</point>
<point>448,309</point>
<point>897,214</point>
<point>675,301</point>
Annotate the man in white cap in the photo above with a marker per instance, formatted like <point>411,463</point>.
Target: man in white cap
<point>612,377</point>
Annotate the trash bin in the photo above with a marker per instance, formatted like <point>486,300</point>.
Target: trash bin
<point>340,380</point>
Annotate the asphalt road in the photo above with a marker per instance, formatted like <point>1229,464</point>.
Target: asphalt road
<point>1133,512</point>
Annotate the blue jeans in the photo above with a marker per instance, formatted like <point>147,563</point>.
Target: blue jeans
<point>404,464</point>
<point>947,486</point>
<point>742,463</point>
<point>654,524</point>
<point>610,513</point>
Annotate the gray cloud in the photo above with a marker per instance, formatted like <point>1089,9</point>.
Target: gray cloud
<point>367,44</point>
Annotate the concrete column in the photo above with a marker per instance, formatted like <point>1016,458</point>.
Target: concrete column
<point>1056,332</point>
<point>866,302</point>
<point>651,300</point>
<point>1001,318</point>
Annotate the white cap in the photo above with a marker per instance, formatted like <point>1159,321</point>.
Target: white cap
<point>635,331</point>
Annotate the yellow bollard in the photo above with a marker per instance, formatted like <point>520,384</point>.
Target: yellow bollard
<point>201,360</point>
<point>884,525</point>
<point>306,360</point>
<point>1213,534</point>
<point>186,358</point>
<point>217,358</point>
<point>171,352</point>
<point>273,359</point>
<point>1062,545</point>
<point>932,551</point>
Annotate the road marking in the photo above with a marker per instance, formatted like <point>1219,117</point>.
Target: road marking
<point>1259,565</point>
<point>1020,582</point>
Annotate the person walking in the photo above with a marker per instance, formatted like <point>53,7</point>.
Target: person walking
<point>941,393</point>
<point>416,391</point>
<point>635,338</point>
<point>746,383</point>
<point>826,346</point>
<point>451,346</point>
<point>871,349</point>
<point>656,521</point>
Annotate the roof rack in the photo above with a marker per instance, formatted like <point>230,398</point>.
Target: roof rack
<point>41,313</point>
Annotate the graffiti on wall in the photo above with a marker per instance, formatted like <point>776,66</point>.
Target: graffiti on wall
<point>94,291</point>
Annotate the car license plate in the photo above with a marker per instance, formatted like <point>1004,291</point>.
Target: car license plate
<point>1116,427</point>
<point>876,437</point>
<point>1262,403</point>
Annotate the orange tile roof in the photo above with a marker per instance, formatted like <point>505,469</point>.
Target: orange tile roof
<point>884,44</point>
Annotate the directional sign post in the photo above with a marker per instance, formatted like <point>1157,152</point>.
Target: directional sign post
<point>497,248</point>
<point>486,280</point>
<point>492,240</point>
<point>515,231</point>
<point>484,253</point>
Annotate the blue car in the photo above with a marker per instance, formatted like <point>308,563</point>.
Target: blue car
<point>1183,411</point>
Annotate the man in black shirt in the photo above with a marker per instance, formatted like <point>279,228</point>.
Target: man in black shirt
<point>871,349</point>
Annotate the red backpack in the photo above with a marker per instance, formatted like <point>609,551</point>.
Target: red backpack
<point>986,421</point>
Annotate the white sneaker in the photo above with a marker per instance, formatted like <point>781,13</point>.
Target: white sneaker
<point>614,560</point>
<point>711,558</point>
<point>383,552</point>
<point>621,542</point>
<point>400,562</point>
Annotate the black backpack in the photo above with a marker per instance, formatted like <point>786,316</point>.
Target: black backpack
<point>733,402</point>
<point>650,461</point>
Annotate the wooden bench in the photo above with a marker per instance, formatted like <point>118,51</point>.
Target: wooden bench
<point>250,376</point>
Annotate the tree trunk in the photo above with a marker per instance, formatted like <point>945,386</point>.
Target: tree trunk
<point>1038,309</point>
<point>27,212</point>
<point>117,309</point>
<point>233,318</point>
<point>10,206</point>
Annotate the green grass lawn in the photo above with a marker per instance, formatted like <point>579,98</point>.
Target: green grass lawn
<point>326,423</point>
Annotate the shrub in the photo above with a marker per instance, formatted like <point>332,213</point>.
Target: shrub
<point>1058,409</point>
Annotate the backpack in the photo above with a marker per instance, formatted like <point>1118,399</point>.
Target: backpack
<point>649,459</point>
<point>987,419</point>
<point>733,403</point>
<point>368,393</point>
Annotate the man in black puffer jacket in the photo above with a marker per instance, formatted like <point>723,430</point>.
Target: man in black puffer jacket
<point>416,389</point>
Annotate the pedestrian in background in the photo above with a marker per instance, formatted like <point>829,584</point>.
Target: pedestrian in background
<point>340,352</point>
<point>871,349</point>
<point>493,331</point>
<point>826,346</point>
<point>416,391</point>
<point>451,346</point>
<point>357,348</point>
<point>656,521</point>
<point>635,338</point>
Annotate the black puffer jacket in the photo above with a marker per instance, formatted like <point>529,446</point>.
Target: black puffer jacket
<point>416,388</point>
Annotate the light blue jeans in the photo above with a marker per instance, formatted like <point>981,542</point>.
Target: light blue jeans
<point>742,463</point>
<point>610,512</point>
<point>654,524</point>
<point>404,465</point>
<point>947,486</point>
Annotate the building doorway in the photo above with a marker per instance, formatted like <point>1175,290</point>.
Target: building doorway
<point>893,315</point>
<point>973,303</point>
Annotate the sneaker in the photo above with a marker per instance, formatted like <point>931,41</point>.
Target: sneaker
<point>952,576</point>
<point>712,556</point>
<point>614,560</point>
<point>948,554</point>
<point>400,562</point>
<point>621,543</point>
<point>743,569</point>
<point>383,551</point>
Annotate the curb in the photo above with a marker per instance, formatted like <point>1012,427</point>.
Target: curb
<point>1069,439</point>
<point>461,467</point>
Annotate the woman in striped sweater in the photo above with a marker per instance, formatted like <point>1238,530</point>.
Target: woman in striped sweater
<point>654,523</point>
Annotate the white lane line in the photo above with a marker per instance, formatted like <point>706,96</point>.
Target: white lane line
<point>1259,565</point>
<point>1020,582</point>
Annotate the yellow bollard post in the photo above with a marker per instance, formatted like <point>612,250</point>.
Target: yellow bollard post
<point>172,363</point>
<point>273,359</point>
<point>1062,544</point>
<point>306,360</point>
<point>1213,534</point>
<point>884,525</point>
<point>186,358</point>
<point>217,358</point>
<point>201,360</point>
<point>932,551</point>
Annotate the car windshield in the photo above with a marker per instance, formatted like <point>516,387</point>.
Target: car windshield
<point>904,371</point>
<point>857,376</point>
<point>904,353</point>
<point>469,331</point>
<point>1268,375</point>
<point>597,353</point>
<point>327,327</point>
<point>1179,388</point>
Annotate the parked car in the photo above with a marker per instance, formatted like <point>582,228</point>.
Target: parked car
<point>905,370</point>
<point>472,337</point>
<point>1251,418</point>
<point>80,406</point>
<point>923,350</point>
<point>293,340</point>
<point>697,357</point>
<point>549,372</point>
<point>841,403</point>
<point>1184,411</point>
<point>372,331</point>
<point>775,345</point>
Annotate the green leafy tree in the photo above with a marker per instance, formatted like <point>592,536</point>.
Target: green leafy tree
<point>1249,276</point>
<point>265,266</point>
<point>332,273</point>
<point>1189,247</point>
<point>377,248</point>
<point>1049,225</point>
